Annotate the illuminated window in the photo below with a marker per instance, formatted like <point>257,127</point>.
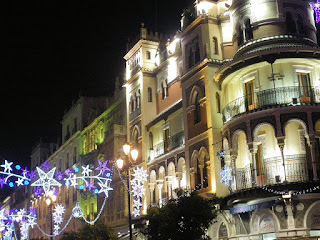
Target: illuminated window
<point>218,103</point>
<point>149,94</point>
<point>150,140</point>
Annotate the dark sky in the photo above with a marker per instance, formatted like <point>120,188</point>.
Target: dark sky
<point>50,50</point>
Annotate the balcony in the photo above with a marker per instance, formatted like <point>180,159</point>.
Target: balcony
<point>272,173</point>
<point>285,96</point>
<point>161,148</point>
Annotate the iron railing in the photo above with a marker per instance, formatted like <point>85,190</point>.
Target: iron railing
<point>161,148</point>
<point>272,172</point>
<point>269,98</point>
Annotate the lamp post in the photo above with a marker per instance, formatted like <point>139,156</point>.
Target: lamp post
<point>49,201</point>
<point>120,163</point>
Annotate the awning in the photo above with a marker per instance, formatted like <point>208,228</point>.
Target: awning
<point>252,207</point>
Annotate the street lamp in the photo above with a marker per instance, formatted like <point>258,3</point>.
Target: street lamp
<point>49,201</point>
<point>120,163</point>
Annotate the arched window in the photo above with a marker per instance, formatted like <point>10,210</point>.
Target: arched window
<point>197,111</point>
<point>215,46</point>
<point>290,23</point>
<point>218,103</point>
<point>148,54</point>
<point>193,53</point>
<point>132,104</point>
<point>198,176</point>
<point>149,94</point>
<point>248,30</point>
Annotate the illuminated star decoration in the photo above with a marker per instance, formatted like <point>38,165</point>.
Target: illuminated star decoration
<point>32,175</point>
<point>316,7</point>
<point>139,177</point>
<point>2,182</point>
<point>226,175</point>
<point>46,180</point>
<point>38,192</point>
<point>7,166</point>
<point>105,187</point>
<point>21,179</point>
<point>86,170</point>
<point>90,186</point>
<point>46,166</point>
<point>103,166</point>
<point>59,176</point>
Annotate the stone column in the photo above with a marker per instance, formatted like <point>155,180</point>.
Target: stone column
<point>151,188</point>
<point>160,185</point>
<point>281,146</point>
<point>169,186</point>
<point>179,178</point>
<point>254,174</point>
<point>234,169</point>
<point>201,174</point>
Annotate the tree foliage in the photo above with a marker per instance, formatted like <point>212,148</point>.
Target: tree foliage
<point>188,217</point>
<point>98,231</point>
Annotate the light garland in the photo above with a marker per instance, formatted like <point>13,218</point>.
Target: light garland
<point>226,175</point>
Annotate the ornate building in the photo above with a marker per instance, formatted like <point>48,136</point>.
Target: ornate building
<point>240,78</point>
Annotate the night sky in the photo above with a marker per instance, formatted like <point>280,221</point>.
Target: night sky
<point>52,50</point>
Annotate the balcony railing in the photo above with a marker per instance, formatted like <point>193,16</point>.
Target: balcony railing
<point>272,173</point>
<point>161,148</point>
<point>271,97</point>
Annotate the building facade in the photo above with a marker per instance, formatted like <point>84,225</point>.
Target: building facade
<point>240,79</point>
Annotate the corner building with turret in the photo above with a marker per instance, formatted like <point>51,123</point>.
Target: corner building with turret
<point>238,87</point>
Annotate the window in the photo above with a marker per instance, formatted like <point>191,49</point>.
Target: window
<point>193,53</point>
<point>304,87</point>
<point>240,35</point>
<point>250,95</point>
<point>215,46</point>
<point>290,23</point>
<point>300,27</point>
<point>248,30</point>
<point>197,111</point>
<point>218,103</point>
<point>150,141</point>
<point>149,94</point>
<point>166,139</point>
<point>148,54</point>
<point>132,105</point>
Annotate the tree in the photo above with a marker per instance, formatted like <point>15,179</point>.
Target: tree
<point>98,231</point>
<point>187,217</point>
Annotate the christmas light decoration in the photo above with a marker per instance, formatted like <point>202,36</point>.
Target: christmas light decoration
<point>46,180</point>
<point>7,171</point>
<point>226,175</point>
<point>316,7</point>
<point>58,218</point>
<point>139,177</point>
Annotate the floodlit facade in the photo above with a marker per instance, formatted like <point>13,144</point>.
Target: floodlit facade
<point>237,87</point>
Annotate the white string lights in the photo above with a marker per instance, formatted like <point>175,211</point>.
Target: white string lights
<point>137,183</point>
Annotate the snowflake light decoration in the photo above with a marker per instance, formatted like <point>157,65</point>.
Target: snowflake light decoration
<point>58,218</point>
<point>316,7</point>
<point>139,177</point>
<point>226,175</point>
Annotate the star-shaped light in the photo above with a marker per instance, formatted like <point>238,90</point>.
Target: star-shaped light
<point>140,175</point>
<point>105,187</point>
<point>46,180</point>
<point>7,166</point>
<point>46,166</point>
<point>2,216</point>
<point>226,175</point>
<point>74,181</point>
<point>103,166</point>
<point>19,182</point>
<point>90,186</point>
<point>2,182</point>
<point>33,211</point>
<point>25,171</point>
<point>86,170</point>
<point>38,192</point>
<point>69,172</point>
<point>32,175</point>
<point>32,222</point>
<point>316,8</point>
<point>59,175</point>
<point>58,219</point>
<point>56,228</point>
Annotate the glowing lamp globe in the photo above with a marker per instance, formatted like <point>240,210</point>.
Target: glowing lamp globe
<point>134,154</point>
<point>54,198</point>
<point>126,148</point>
<point>120,163</point>
<point>48,201</point>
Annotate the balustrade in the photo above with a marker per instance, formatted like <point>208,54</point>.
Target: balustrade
<point>271,97</point>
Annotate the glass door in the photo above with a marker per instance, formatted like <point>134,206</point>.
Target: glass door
<point>250,95</point>
<point>304,87</point>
